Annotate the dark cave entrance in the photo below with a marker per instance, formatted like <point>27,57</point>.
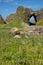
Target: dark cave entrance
<point>31,19</point>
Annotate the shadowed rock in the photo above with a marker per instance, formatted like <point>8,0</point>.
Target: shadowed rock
<point>2,20</point>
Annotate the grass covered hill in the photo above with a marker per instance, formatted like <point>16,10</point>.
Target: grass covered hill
<point>26,50</point>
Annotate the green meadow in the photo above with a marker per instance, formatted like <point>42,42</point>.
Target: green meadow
<point>28,50</point>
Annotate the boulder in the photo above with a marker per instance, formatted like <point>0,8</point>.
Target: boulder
<point>15,31</point>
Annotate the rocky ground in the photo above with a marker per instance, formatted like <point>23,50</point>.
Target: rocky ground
<point>37,30</point>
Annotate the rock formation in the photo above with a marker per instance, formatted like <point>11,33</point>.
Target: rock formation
<point>15,31</point>
<point>25,14</point>
<point>2,20</point>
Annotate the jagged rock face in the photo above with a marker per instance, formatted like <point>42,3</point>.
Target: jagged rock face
<point>1,19</point>
<point>10,18</point>
<point>20,9</point>
<point>25,14</point>
<point>40,14</point>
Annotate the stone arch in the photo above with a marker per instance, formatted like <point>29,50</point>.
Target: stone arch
<point>34,19</point>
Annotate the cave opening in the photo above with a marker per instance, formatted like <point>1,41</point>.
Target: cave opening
<point>32,20</point>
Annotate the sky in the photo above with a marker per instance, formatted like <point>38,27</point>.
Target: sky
<point>8,7</point>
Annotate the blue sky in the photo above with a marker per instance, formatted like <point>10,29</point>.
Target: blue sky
<point>9,6</point>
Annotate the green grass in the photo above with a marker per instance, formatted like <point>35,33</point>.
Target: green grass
<point>15,23</point>
<point>40,22</point>
<point>24,51</point>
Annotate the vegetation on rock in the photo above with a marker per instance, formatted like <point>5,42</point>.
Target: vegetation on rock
<point>23,14</point>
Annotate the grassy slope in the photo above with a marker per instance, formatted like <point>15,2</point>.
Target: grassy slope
<point>40,22</point>
<point>15,23</point>
<point>24,51</point>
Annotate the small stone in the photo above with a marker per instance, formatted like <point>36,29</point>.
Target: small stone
<point>30,31</point>
<point>17,36</point>
<point>33,29</point>
<point>20,60</point>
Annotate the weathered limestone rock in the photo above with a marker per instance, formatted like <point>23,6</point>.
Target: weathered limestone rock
<point>15,31</point>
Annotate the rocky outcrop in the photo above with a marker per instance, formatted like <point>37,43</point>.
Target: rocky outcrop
<point>18,33</point>
<point>40,14</point>
<point>2,20</point>
<point>33,30</point>
<point>15,31</point>
<point>10,18</point>
<point>25,14</point>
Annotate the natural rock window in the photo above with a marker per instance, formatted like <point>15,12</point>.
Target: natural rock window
<point>32,20</point>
